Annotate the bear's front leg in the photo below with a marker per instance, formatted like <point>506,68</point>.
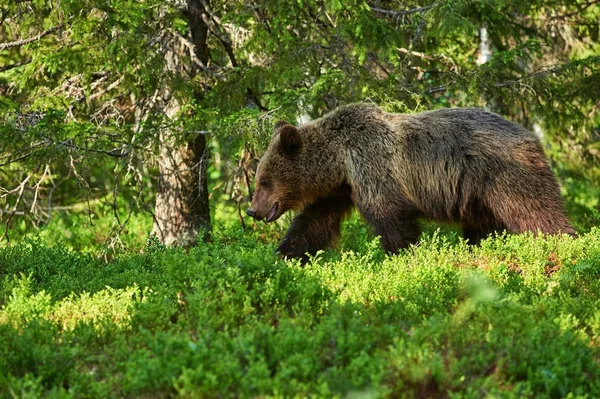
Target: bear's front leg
<point>316,227</point>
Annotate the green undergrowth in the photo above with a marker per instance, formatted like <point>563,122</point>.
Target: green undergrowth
<point>516,317</point>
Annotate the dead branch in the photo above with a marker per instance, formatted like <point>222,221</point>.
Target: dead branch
<point>107,89</point>
<point>37,188</point>
<point>437,57</point>
<point>20,189</point>
<point>401,13</point>
<point>23,42</point>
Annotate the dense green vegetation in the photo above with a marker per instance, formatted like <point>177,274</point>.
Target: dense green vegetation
<point>102,102</point>
<point>516,317</point>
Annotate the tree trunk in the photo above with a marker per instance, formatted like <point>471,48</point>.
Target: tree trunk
<point>181,211</point>
<point>197,16</point>
<point>485,47</point>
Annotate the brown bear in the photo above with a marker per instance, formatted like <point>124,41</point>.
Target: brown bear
<point>460,165</point>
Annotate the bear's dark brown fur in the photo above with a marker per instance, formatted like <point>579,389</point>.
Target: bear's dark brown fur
<point>462,165</point>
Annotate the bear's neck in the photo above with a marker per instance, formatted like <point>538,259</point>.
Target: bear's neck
<point>324,158</point>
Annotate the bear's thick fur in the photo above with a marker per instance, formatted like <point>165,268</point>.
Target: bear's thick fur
<point>461,165</point>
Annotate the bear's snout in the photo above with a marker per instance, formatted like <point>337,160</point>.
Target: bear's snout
<point>251,212</point>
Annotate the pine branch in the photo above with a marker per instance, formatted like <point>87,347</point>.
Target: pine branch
<point>556,70</point>
<point>31,39</point>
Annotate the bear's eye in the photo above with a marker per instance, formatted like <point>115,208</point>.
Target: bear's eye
<point>264,182</point>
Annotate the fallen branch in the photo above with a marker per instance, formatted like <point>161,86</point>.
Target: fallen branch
<point>436,89</point>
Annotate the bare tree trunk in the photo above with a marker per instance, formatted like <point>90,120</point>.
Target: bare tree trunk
<point>485,47</point>
<point>182,210</point>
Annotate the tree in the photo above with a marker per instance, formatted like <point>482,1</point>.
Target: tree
<point>125,80</point>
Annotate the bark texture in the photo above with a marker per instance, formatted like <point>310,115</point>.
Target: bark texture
<point>182,210</point>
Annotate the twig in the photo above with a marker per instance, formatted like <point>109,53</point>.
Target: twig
<point>437,57</point>
<point>437,89</point>
<point>51,192</point>
<point>401,13</point>
<point>37,188</point>
<point>31,39</point>
<point>17,159</point>
<point>243,166</point>
<point>109,88</point>
<point>555,69</point>
<point>115,152</point>
<point>20,189</point>
<point>85,184</point>
<point>241,217</point>
<point>534,75</point>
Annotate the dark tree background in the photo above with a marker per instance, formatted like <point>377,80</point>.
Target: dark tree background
<point>148,108</point>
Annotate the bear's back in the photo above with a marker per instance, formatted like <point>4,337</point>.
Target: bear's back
<point>359,122</point>
<point>437,159</point>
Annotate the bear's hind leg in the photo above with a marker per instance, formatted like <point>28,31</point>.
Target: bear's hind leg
<point>551,220</point>
<point>522,213</point>
<point>316,227</point>
<point>396,224</point>
<point>479,223</point>
<point>474,233</point>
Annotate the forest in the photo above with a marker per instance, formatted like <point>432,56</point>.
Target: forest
<point>130,135</point>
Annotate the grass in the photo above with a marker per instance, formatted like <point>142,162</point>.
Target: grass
<point>516,317</point>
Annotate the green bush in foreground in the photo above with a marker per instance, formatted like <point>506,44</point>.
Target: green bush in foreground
<point>516,317</point>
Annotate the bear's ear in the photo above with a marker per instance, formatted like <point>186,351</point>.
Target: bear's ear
<point>279,125</point>
<point>290,141</point>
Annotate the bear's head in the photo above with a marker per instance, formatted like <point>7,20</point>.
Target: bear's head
<point>279,177</point>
